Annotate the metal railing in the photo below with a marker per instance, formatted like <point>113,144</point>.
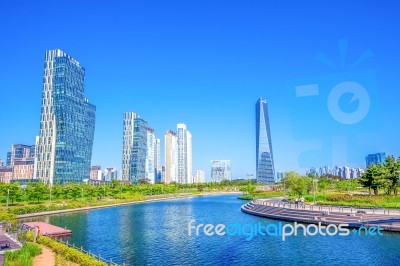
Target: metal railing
<point>87,252</point>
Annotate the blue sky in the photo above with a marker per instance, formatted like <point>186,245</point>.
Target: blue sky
<point>206,63</point>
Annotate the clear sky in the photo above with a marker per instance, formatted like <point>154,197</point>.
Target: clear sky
<point>205,63</point>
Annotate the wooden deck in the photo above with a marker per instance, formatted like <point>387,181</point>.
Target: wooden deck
<point>49,230</point>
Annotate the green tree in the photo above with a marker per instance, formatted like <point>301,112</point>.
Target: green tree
<point>392,168</point>
<point>374,178</point>
<point>37,191</point>
<point>13,191</point>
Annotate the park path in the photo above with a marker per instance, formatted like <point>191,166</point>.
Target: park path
<point>47,258</point>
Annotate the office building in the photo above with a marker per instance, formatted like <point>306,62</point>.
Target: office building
<point>265,171</point>
<point>128,133</point>
<point>375,158</point>
<point>279,176</point>
<point>95,173</point>
<point>67,123</point>
<point>6,174</point>
<point>220,170</point>
<point>139,151</point>
<point>110,173</point>
<point>200,177</point>
<point>171,157</point>
<point>184,139</point>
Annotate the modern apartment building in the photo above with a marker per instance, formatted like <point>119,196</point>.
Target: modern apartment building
<point>171,157</point>
<point>184,139</point>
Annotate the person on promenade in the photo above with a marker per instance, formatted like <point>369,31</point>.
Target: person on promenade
<point>296,203</point>
<point>302,202</point>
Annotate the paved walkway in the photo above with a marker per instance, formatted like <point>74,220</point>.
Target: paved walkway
<point>389,220</point>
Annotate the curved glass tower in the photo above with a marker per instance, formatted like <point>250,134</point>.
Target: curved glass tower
<point>67,124</point>
<point>264,156</point>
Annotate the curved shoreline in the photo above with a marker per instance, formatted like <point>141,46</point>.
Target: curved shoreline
<point>324,215</point>
<point>38,214</point>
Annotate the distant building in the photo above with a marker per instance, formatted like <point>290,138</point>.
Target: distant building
<point>67,124</point>
<point>157,161</point>
<point>110,173</point>
<point>6,174</point>
<point>184,139</point>
<point>221,170</point>
<point>200,177</point>
<point>264,155</point>
<point>171,157</point>
<point>150,156</point>
<point>375,158</point>
<point>24,169</point>
<point>139,151</point>
<point>1,163</point>
<point>128,140</point>
<point>346,172</point>
<point>95,173</point>
<point>279,176</point>
<point>8,161</point>
<point>22,161</point>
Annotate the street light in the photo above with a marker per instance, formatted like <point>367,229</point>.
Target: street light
<point>314,187</point>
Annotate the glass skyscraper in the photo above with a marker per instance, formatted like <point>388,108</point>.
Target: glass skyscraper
<point>67,124</point>
<point>264,156</point>
<point>139,151</point>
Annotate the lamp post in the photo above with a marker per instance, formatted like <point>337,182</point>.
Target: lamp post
<point>8,196</point>
<point>314,187</point>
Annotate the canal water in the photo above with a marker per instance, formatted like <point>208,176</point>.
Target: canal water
<point>157,234</point>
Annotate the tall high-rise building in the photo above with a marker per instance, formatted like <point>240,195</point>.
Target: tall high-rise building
<point>139,151</point>
<point>67,122</point>
<point>128,132</point>
<point>264,155</point>
<point>171,157</point>
<point>184,138</point>
<point>150,156</point>
<point>157,161</point>
<point>220,170</point>
<point>375,158</point>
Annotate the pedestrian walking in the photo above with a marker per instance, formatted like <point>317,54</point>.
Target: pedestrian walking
<point>296,203</point>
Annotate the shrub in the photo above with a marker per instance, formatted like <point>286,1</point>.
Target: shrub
<point>24,256</point>
<point>68,253</point>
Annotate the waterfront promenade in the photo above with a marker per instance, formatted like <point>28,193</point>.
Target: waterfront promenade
<point>387,219</point>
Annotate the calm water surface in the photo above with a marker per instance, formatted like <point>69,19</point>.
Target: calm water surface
<point>157,234</point>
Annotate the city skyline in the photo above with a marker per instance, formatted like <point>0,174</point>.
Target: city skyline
<point>208,73</point>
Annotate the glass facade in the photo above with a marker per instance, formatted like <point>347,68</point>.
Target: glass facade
<point>67,122</point>
<point>375,158</point>
<point>264,155</point>
<point>220,170</point>
<point>139,151</point>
